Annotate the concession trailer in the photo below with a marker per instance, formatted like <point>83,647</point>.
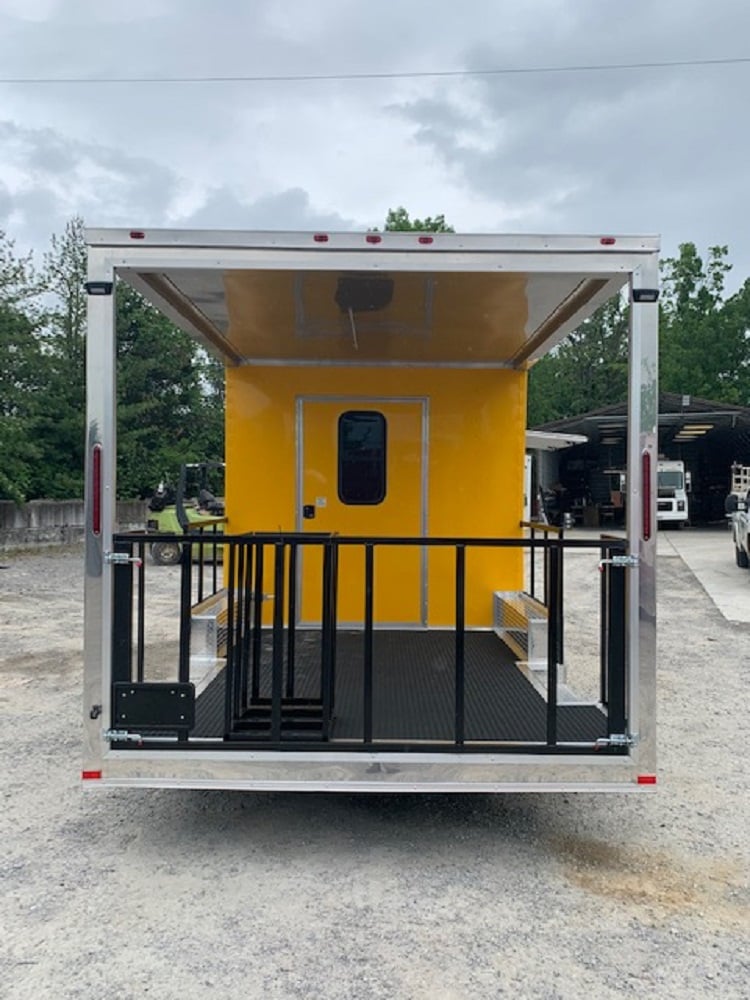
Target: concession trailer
<point>378,615</point>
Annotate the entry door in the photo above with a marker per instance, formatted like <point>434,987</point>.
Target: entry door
<point>361,472</point>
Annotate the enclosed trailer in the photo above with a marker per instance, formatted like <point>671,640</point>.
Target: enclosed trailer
<point>382,619</point>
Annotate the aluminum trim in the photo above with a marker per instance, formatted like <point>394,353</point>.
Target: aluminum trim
<point>641,581</point>
<point>275,239</point>
<point>587,262</point>
<point>342,771</point>
<point>101,430</point>
<point>385,363</point>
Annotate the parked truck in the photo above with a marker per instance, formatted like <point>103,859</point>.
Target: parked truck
<point>672,505</point>
<point>371,624</point>
<point>737,508</point>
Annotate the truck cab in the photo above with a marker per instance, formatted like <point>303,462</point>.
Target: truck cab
<point>673,484</point>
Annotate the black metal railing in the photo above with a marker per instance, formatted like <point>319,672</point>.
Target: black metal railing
<point>552,590</point>
<point>268,701</point>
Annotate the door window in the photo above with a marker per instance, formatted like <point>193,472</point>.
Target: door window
<point>362,456</point>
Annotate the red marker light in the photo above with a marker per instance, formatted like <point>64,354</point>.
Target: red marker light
<point>137,234</point>
<point>373,238</point>
<point>646,494</point>
<point>320,238</point>
<point>91,775</point>
<point>425,239</point>
<point>608,241</point>
<point>646,779</point>
<point>96,489</point>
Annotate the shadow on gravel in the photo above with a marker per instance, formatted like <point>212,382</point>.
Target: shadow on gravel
<point>191,820</point>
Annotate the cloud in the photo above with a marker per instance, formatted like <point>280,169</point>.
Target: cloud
<point>649,150</point>
<point>290,209</point>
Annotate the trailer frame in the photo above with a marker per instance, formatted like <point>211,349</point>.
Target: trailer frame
<point>145,258</point>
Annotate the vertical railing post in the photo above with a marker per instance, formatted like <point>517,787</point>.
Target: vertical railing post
<point>334,621</point>
<point>141,645</point>
<point>186,595</point>
<point>616,713</point>
<point>459,720</point>
<point>240,627</point>
<point>201,564</point>
<point>532,564</point>
<point>291,650</point>
<point>367,696</point>
<point>326,645</point>
<point>603,624</point>
<point>186,602</point>
<point>553,582</point>
<point>560,598</point>
<point>257,621</point>
<point>214,562</point>
<point>247,623</point>
<point>122,615</point>
<point>277,656</point>
<point>229,690</point>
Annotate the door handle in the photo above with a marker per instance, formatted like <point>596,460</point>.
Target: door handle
<point>308,511</point>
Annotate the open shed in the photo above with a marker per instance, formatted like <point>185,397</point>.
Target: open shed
<point>707,435</point>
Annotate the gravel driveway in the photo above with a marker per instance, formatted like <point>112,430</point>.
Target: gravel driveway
<point>123,894</point>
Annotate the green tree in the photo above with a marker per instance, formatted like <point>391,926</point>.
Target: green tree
<point>62,410</point>
<point>398,220</point>
<point>22,372</point>
<point>587,371</point>
<point>162,397</point>
<point>704,345</point>
<point>736,377</point>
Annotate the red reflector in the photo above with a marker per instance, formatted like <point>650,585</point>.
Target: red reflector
<point>425,239</point>
<point>137,234</point>
<point>90,775</point>
<point>646,779</point>
<point>96,489</point>
<point>320,238</point>
<point>608,241</point>
<point>373,238</point>
<point>646,494</point>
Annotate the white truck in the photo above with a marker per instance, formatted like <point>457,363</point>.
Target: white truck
<point>673,485</point>
<point>736,506</point>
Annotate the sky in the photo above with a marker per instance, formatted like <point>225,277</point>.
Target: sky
<point>660,150</point>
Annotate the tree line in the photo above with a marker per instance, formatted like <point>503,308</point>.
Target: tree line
<point>704,344</point>
<point>170,393</point>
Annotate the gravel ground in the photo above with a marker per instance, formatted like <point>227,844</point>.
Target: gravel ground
<point>129,893</point>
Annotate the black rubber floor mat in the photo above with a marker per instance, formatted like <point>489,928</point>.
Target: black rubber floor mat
<point>414,690</point>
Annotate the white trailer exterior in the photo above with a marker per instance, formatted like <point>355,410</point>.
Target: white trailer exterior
<point>188,276</point>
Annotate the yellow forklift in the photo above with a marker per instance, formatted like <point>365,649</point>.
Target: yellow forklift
<point>191,506</point>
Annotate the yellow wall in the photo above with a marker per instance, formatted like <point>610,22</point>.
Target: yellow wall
<point>477,421</point>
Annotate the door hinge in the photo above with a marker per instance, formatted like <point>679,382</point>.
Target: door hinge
<point>627,562</point>
<point>121,559</point>
<point>617,740</point>
<point>121,736</point>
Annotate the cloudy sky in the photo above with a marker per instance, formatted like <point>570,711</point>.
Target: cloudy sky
<point>649,150</point>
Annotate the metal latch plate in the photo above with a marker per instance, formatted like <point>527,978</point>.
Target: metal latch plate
<point>153,705</point>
